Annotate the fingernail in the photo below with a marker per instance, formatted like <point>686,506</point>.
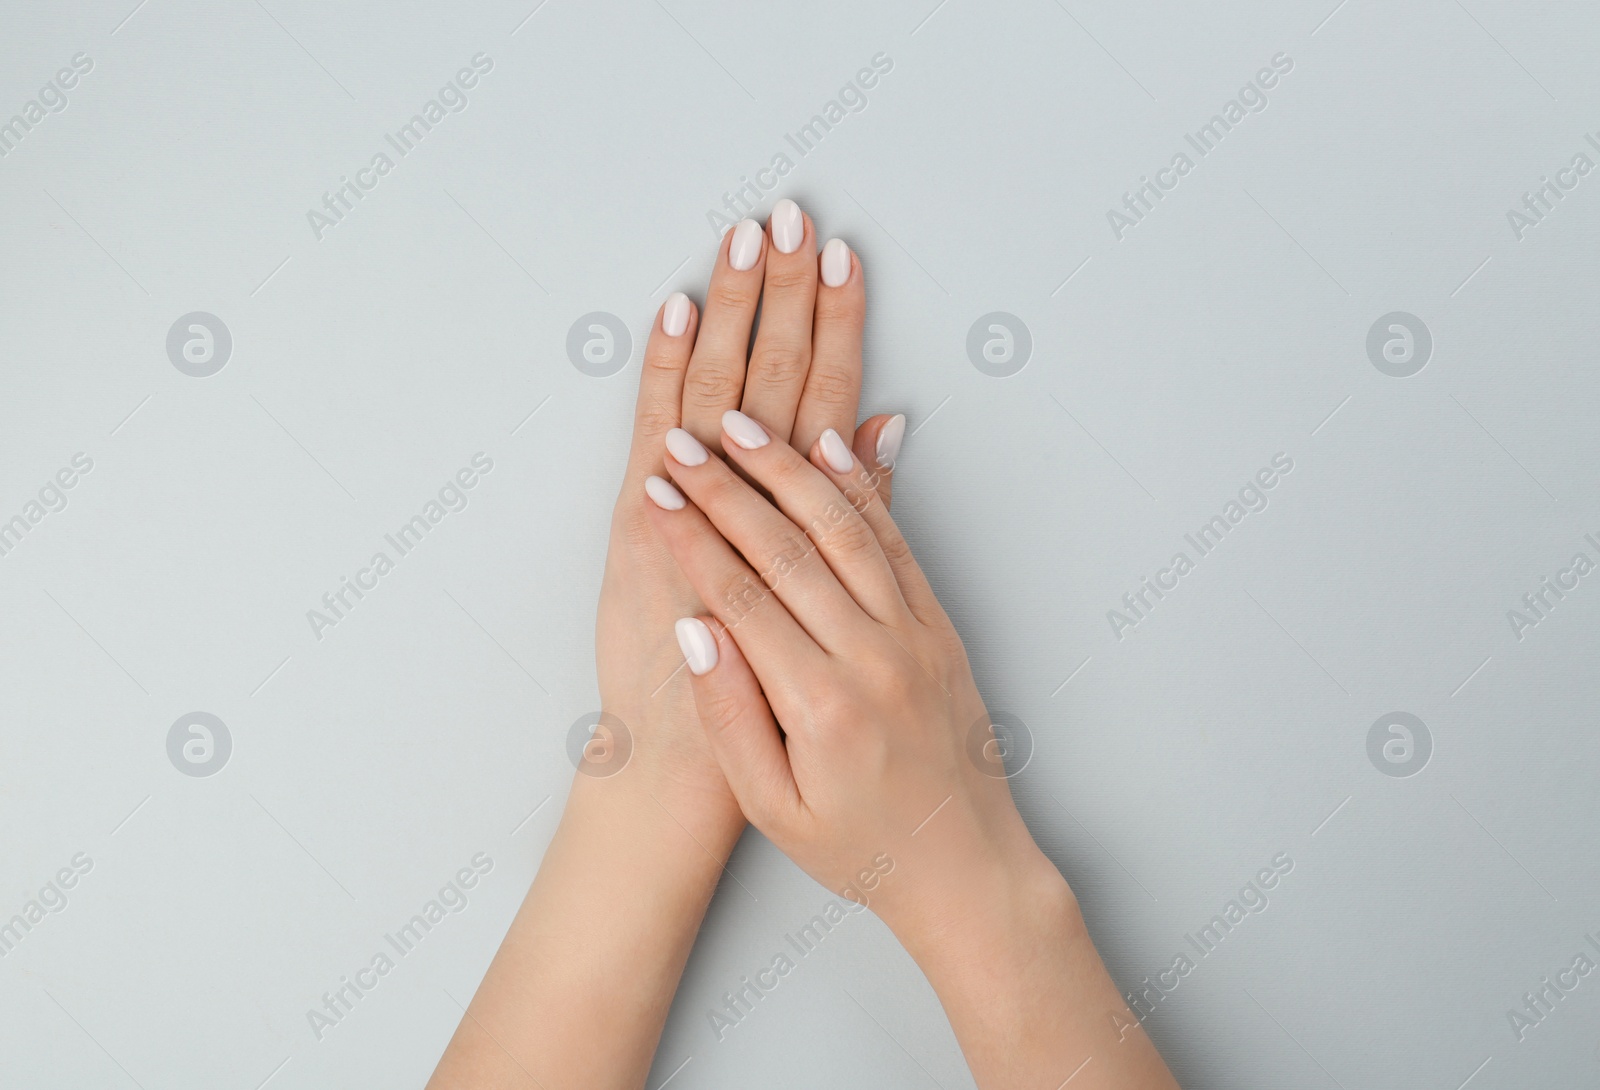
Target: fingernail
<point>788,226</point>
<point>688,450</point>
<point>890,437</point>
<point>835,263</point>
<point>663,495</point>
<point>699,646</point>
<point>835,453</point>
<point>746,245</point>
<point>744,431</point>
<point>675,317</point>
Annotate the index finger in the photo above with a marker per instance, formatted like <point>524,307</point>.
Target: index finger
<point>657,411</point>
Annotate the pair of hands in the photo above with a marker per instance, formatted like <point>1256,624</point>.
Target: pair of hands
<point>826,696</point>
<point>806,611</point>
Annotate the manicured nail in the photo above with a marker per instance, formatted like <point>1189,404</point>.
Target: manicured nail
<point>890,436</point>
<point>835,263</point>
<point>746,245</point>
<point>744,431</point>
<point>663,495</point>
<point>699,646</point>
<point>685,448</point>
<point>675,316</point>
<point>835,453</point>
<point>788,226</point>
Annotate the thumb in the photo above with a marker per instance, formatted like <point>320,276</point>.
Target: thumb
<point>738,723</point>
<point>878,445</point>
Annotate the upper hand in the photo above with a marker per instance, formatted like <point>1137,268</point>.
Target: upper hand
<point>880,784</point>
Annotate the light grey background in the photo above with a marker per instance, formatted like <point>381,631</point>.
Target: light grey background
<point>1169,366</point>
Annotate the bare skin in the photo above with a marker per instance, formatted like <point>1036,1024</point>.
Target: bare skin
<point>581,985</point>
<point>824,623</point>
<point>799,606</point>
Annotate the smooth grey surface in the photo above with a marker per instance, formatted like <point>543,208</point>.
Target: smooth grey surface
<point>1174,758</point>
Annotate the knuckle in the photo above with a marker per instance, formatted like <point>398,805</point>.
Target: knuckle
<point>895,548</point>
<point>712,384</point>
<point>654,418</point>
<point>831,385</point>
<point>724,489</point>
<point>738,596</point>
<point>846,308</point>
<point>790,276</point>
<point>906,688</point>
<point>779,362</point>
<point>664,360</point>
<point>721,707</point>
<point>726,294</point>
<point>831,712</point>
<point>851,537</point>
<point>784,554</point>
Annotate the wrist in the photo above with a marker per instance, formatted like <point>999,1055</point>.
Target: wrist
<point>655,819</point>
<point>998,915</point>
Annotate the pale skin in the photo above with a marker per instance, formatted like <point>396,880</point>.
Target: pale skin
<point>804,611</point>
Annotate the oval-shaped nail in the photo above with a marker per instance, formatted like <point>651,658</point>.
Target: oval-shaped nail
<point>788,226</point>
<point>745,248</point>
<point>890,436</point>
<point>744,431</point>
<point>663,495</point>
<point>835,263</point>
<point>835,452</point>
<point>685,448</point>
<point>699,646</point>
<point>675,315</point>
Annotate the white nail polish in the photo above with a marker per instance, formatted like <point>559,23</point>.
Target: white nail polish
<point>746,245</point>
<point>788,226</point>
<point>685,448</point>
<point>835,263</point>
<point>663,495</point>
<point>890,437</point>
<point>835,453</point>
<point>698,645</point>
<point>744,431</point>
<point>675,315</point>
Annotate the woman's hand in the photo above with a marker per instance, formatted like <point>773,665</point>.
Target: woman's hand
<point>881,783</point>
<point>831,629</point>
<point>641,848</point>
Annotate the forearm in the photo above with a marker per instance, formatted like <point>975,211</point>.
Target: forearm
<point>1027,993</point>
<point>578,993</point>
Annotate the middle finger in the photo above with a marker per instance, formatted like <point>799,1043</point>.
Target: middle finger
<point>782,354</point>
<point>715,380</point>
